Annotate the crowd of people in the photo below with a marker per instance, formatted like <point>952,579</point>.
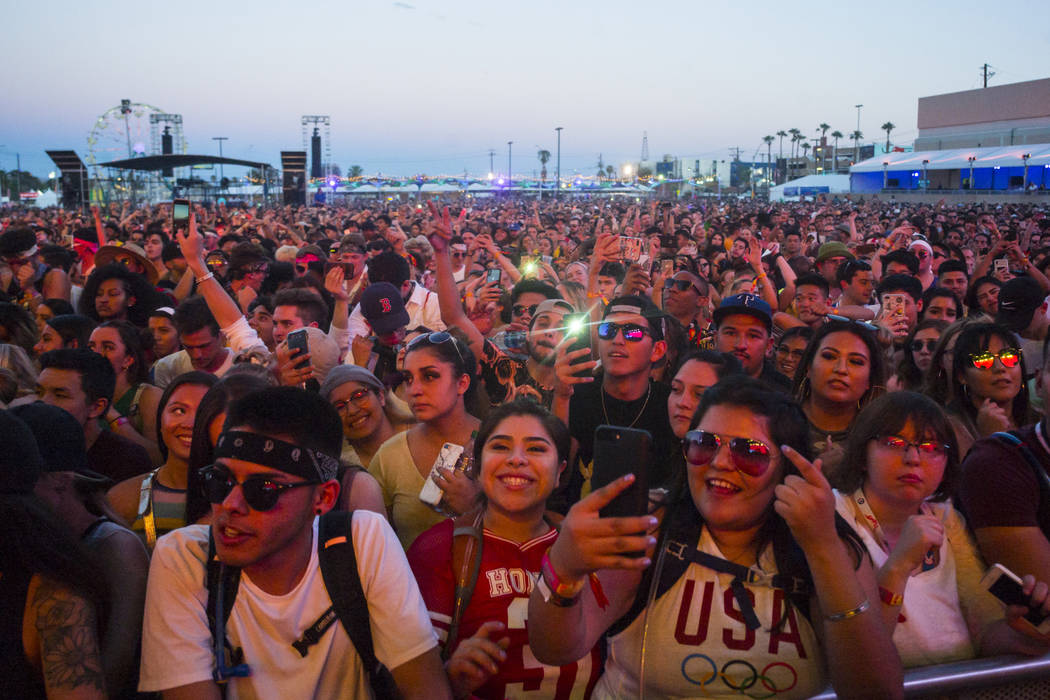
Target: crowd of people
<point>841,403</point>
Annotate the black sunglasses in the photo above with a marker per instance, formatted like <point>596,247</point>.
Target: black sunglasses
<point>683,284</point>
<point>929,344</point>
<point>260,492</point>
<point>521,309</point>
<point>632,332</point>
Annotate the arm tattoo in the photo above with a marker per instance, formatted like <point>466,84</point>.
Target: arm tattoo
<point>68,638</point>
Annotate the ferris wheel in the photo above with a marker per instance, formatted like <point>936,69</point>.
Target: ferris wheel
<point>121,132</point>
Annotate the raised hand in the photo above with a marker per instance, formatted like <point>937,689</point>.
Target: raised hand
<point>588,542</point>
<point>477,659</point>
<point>920,534</point>
<point>441,226</point>
<point>806,503</point>
<point>566,365</point>
<point>335,283</point>
<point>991,418</point>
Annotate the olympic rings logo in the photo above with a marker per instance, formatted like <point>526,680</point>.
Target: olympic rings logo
<point>739,683</point>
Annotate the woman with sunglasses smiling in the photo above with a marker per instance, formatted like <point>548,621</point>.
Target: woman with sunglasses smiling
<point>437,377</point>
<point>742,562</point>
<point>899,471</point>
<point>519,456</point>
<point>841,370</point>
<point>991,394</point>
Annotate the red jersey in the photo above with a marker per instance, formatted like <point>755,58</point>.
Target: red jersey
<point>505,581</point>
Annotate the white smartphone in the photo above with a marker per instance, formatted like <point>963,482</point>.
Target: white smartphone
<point>1001,266</point>
<point>1006,586</point>
<point>431,493</point>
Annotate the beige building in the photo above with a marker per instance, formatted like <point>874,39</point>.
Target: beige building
<point>1000,116</point>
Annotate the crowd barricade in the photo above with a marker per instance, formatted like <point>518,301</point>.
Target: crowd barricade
<point>991,678</point>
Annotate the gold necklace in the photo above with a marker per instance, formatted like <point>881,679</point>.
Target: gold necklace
<point>605,412</point>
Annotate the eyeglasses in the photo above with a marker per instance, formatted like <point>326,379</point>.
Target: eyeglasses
<point>928,448</point>
<point>259,267</point>
<point>632,332</point>
<point>918,345</point>
<point>210,262</point>
<point>302,269</point>
<point>359,398</point>
<point>521,309</point>
<point>260,492</point>
<point>436,338</point>
<point>749,456</point>
<point>459,253</point>
<point>785,351</point>
<point>1008,357</point>
<point>684,284</point>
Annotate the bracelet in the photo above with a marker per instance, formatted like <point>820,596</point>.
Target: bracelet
<point>119,421</point>
<point>847,614</point>
<point>205,278</point>
<point>551,597</point>
<point>889,597</point>
<point>566,592</point>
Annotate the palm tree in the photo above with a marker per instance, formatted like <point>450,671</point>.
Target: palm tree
<point>769,152</point>
<point>888,127</point>
<point>795,136</point>
<point>781,134</point>
<point>544,156</point>
<point>856,136</point>
<point>355,171</point>
<point>609,172</point>
<point>835,153</point>
<point>805,151</point>
<point>824,148</point>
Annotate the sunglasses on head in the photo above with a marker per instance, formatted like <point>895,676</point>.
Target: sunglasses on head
<point>1009,357</point>
<point>929,344</point>
<point>751,457</point>
<point>435,338</point>
<point>632,332</point>
<point>260,492</point>
<point>521,309</point>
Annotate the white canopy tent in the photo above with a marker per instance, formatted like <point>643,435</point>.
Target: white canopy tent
<point>809,185</point>
<point>958,159</point>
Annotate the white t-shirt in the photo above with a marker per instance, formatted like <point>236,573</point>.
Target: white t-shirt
<point>177,644</point>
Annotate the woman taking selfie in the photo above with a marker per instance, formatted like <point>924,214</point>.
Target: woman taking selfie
<point>437,377</point>
<point>840,371</point>
<point>519,455</point>
<point>899,470</point>
<point>750,507</point>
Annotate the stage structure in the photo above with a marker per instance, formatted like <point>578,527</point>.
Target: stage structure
<point>73,183</point>
<point>196,189</point>
<point>293,167</point>
<point>312,126</point>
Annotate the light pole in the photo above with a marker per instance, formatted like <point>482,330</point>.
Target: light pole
<point>510,175</point>
<point>971,159</point>
<point>856,141</point>
<point>925,182</point>
<point>1024,184</point>
<point>885,173</point>
<point>220,139</point>
<point>557,186</point>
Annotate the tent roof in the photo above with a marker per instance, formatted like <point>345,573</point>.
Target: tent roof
<point>176,160</point>
<point>958,159</point>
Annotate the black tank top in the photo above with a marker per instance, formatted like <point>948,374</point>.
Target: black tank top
<point>18,679</point>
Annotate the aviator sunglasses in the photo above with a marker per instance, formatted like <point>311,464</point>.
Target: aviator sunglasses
<point>748,456</point>
<point>1009,357</point>
<point>260,492</point>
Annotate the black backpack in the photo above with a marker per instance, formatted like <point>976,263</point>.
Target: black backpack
<point>335,553</point>
<point>1013,439</point>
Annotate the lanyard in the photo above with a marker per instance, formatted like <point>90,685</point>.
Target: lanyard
<point>932,557</point>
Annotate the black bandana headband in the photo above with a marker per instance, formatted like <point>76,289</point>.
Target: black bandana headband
<point>277,454</point>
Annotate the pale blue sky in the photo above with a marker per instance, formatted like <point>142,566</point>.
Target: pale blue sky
<point>428,87</point>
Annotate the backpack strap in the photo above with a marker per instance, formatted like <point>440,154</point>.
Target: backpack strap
<point>467,538</point>
<point>1013,439</point>
<point>223,582</point>
<point>338,562</point>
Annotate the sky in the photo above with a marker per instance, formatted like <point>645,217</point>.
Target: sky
<point>427,87</point>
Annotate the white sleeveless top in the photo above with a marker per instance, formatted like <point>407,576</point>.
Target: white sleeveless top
<point>934,630</point>
<point>699,647</point>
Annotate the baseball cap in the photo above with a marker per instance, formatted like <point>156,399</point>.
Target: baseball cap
<point>750,304</point>
<point>60,439</point>
<point>634,304</point>
<point>1018,299</point>
<point>383,308</point>
<point>833,249</point>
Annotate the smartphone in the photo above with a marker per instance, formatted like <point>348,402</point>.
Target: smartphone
<point>297,343</point>
<point>893,304</point>
<point>1006,586</point>
<point>667,267</point>
<point>578,335</point>
<point>494,275</point>
<point>630,248</point>
<point>180,214</point>
<point>1001,266</point>
<point>528,264</point>
<point>348,268</point>
<point>431,493</point>
<point>620,451</point>
<point>667,240</point>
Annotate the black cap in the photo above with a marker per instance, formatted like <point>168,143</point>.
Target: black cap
<point>60,439</point>
<point>1018,300</point>
<point>643,306</point>
<point>383,308</point>
<point>20,460</point>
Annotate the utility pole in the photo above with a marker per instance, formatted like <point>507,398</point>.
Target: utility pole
<point>735,150</point>
<point>557,186</point>
<point>510,172</point>
<point>986,73</point>
<point>492,156</point>
<point>220,139</point>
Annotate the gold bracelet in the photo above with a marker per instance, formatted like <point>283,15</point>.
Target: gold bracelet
<point>847,614</point>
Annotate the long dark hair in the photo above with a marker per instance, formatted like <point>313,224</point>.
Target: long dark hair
<point>887,415</point>
<point>521,406</point>
<point>801,387</point>
<point>195,377</point>
<point>456,353</point>
<point>136,343</point>
<point>907,371</point>
<point>224,392</point>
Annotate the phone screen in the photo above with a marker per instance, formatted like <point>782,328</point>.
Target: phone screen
<point>297,343</point>
<point>494,275</point>
<point>180,212</point>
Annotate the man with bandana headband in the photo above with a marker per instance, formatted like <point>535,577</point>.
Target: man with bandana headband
<point>275,472</point>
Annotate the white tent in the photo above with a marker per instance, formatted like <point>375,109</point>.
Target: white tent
<point>809,185</point>
<point>958,159</point>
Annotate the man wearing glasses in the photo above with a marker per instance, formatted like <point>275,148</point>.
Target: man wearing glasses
<point>685,298</point>
<point>924,252</point>
<point>275,471</point>
<point>458,253</point>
